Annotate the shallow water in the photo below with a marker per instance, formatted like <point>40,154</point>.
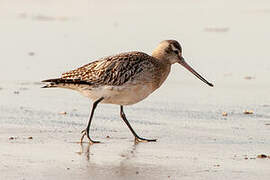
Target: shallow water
<point>226,41</point>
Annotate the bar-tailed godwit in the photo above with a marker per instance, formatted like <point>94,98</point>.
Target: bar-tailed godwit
<point>123,79</point>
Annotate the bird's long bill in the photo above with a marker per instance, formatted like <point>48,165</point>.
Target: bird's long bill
<point>183,63</point>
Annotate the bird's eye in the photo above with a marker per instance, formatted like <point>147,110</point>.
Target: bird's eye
<point>175,51</point>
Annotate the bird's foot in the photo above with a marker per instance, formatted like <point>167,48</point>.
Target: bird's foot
<point>139,139</point>
<point>85,133</point>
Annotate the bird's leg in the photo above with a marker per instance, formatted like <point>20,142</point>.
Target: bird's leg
<point>86,131</point>
<point>137,138</point>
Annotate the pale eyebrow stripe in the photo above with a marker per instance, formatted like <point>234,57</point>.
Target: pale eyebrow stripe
<point>174,48</point>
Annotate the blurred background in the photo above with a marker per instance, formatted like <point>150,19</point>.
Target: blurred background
<point>42,38</point>
<point>202,132</point>
<point>226,41</point>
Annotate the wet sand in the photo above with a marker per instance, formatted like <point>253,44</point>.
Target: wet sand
<point>194,140</point>
<point>202,132</point>
<point>55,154</point>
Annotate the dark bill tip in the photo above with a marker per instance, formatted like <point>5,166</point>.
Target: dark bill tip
<point>189,68</point>
<point>210,84</point>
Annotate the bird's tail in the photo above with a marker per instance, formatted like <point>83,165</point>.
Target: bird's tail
<point>52,82</point>
<point>58,82</point>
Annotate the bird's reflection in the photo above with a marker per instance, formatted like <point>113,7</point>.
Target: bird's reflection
<point>127,165</point>
<point>85,150</point>
<point>118,159</point>
<point>127,154</point>
<point>130,152</point>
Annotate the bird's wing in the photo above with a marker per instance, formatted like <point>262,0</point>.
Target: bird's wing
<point>112,70</point>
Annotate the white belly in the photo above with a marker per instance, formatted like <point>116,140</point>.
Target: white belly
<point>121,95</point>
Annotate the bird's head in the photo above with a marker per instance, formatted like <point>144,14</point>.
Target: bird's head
<point>170,51</point>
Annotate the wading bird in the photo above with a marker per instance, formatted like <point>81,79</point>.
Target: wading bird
<point>123,79</point>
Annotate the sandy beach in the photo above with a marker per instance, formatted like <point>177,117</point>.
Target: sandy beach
<point>50,155</point>
<point>202,132</point>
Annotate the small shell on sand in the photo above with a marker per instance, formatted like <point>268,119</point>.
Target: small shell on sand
<point>63,113</point>
<point>248,112</point>
<point>262,156</point>
<point>224,114</point>
<point>249,77</point>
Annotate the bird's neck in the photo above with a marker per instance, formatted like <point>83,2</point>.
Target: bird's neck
<point>158,54</point>
<point>165,71</point>
<point>162,59</point>
<point>164,67</point>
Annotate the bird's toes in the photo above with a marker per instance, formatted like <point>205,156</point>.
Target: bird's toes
<point>137,140</point>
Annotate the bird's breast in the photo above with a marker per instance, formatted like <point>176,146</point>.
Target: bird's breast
<point>122,95</point>
<point>161,76</point>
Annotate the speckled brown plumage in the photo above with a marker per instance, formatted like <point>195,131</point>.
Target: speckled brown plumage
<point>123,79</point>
<point>113,70</point>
